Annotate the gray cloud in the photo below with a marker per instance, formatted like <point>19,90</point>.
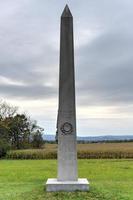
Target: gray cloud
<point>28,92</point>
<point>104,66</point>
<point>29,54</point>
<point>29,51</point>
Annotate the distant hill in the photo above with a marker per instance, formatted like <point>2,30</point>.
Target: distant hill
<point>106,138</point>
<point>96,138</point>
<point>49,137</point>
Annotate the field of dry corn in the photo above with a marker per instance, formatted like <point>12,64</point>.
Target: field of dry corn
<point>93,150</point>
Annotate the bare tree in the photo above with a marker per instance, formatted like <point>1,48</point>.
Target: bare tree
<point>7,110</point>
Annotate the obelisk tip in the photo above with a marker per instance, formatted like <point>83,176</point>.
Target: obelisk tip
<point>66,12</point>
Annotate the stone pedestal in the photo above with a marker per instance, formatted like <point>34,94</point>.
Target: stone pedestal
<point>53,185</point>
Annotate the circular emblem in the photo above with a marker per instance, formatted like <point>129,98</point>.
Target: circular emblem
<point>67,128</point>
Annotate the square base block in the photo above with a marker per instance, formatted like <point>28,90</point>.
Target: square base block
<point>53,185</point>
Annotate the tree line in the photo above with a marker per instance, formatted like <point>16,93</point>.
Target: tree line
<point>17,130</point>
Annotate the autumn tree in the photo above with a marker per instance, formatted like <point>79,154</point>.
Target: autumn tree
<point>17,130</point>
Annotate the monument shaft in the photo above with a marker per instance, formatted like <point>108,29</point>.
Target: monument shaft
<point>66,125</point>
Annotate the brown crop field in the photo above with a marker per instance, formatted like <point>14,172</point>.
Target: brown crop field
<point>93,150</point>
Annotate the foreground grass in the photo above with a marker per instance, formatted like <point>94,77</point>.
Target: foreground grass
<point>24,180</point>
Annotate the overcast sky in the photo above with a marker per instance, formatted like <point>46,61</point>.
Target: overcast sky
<point>29,62</point>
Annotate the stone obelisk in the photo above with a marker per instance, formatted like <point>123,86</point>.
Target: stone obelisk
<point>67,178</point>
<point>66,127</point>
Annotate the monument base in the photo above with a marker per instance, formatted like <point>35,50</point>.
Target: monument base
<point>53,185</point>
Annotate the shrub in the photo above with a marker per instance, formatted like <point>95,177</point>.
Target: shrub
<point>4,147</point>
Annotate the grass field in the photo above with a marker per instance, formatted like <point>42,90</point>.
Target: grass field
<point>24,180</point>
<point>94,150</point>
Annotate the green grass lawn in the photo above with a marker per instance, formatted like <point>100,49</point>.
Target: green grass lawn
<point>25,179</point>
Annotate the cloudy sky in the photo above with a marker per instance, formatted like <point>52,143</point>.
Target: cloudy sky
<point>29,62</point>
